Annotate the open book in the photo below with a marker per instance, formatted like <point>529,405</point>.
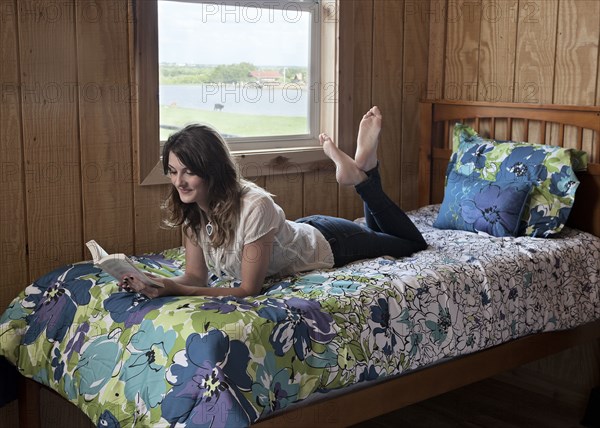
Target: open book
<point>117,265</point>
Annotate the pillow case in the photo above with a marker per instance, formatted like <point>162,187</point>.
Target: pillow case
<point>548,168</point>
<point>474,204</point>
<point>465,134</point>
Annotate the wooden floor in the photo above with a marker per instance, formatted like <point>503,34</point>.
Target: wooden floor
<point>487,404</point>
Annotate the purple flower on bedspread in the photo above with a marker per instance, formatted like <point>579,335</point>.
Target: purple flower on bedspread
<point>273,388</point>
<point>77,340</point>
<point>58,365</point>
<point>227,304</point>
<point>131,308</point>
<point>299,322</point>
<point>208,378</point>
<point>55,298</point>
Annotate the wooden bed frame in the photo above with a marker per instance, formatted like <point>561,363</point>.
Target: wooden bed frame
<point>550,124</point>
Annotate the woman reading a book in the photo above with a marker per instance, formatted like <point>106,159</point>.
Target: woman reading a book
<point>234,227</point>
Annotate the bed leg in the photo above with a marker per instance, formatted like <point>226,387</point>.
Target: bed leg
<point>29,403</point>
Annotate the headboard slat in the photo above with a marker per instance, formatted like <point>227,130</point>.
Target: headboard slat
<point>543,132</point>
<point>579,138</point>
<point>561,135</point>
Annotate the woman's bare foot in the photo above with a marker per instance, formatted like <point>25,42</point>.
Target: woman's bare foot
<point>368,139</point>
<point>346,171</point>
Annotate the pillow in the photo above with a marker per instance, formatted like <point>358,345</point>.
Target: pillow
<point>548,168</point>
<point>473,204</point>
<point>465,134</point>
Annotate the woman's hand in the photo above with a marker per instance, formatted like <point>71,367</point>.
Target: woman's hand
<point>132,284</point>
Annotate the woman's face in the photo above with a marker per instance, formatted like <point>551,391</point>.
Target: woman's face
<point>191,187</point>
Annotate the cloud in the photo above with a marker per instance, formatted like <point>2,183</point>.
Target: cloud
<point>196,33</point>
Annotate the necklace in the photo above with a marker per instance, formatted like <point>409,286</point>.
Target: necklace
<point>209,228</point>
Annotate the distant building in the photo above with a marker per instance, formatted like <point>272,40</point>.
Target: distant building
<point>266,76</point>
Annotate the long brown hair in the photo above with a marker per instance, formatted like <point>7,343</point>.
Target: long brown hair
<point>204,152</point>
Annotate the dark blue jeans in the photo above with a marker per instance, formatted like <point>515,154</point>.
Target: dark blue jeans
<point>389,231</point>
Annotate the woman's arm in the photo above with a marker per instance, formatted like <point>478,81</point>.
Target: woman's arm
<point>196,275</point>
<point>196,272</point>
<point>256,257</point>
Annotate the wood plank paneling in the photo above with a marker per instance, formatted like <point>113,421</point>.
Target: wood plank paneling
<point>287,191</point>
<point>577,52</point>
<point>535,52</point>
<point>105,126</point>
<point>150,232</point>
<point>496,72</point>
<point>496,50</point>
<point>48,64</point>
<point>414,77</point>
<point>576,59</point>
<point>387,84</point>
<point>595,145</point>
<point>436,47</point>
<point>535,57</point>
<point>13,260</point>
<point>462,50</point>
<point>320,193</point>
<point>356,52</point>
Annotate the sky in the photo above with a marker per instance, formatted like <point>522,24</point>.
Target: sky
<point>205,33</point>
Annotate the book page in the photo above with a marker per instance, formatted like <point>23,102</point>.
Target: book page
<point>96,250</point>
<point>118,266</point>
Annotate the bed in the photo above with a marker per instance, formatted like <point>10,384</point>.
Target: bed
<point>315,348</point>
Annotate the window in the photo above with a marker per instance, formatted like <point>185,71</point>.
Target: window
<point>252,69</point>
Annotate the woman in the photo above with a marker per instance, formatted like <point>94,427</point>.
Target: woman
<point>233,226</point>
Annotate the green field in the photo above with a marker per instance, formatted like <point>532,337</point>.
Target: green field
<point>243,125</point>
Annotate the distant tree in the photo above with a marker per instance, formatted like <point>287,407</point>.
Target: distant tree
<point>170,74</point>
<point>232,73</point>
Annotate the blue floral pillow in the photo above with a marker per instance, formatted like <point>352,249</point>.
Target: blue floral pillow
<point>474,205</point>
<point>548,168</point>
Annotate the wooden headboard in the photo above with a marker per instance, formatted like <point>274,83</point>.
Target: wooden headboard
<point>558,125</point>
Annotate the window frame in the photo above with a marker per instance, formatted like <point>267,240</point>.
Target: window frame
<point>256,161</point>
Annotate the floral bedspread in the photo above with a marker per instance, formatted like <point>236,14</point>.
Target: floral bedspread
<point>126,360</point>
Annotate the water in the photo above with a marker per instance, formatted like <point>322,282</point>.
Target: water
<point>288,100</point>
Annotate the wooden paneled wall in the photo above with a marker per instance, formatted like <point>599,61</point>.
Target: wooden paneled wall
<point>67,163</point>
<point>531,51</point>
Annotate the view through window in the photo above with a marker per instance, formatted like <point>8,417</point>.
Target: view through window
<point>243,67</point>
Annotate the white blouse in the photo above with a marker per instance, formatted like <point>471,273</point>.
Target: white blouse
<point>297,247</point>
